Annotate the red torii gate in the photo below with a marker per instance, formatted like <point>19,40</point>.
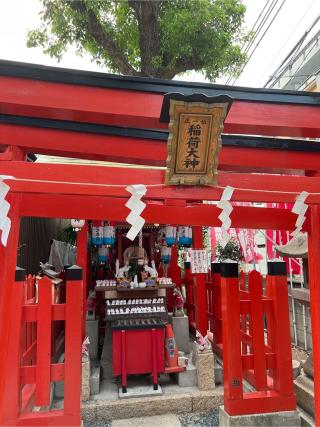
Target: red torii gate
<point>100,117</point>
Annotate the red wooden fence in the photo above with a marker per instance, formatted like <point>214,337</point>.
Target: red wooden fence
<point>32,370</point>
<point>263,360</point>
<point>214,308</point>
<point>29,331</point>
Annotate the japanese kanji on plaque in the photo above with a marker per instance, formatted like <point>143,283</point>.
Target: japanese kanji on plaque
<point>199,261</point>
<point>194,142</point>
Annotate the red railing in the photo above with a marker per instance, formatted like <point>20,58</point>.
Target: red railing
<point>32,370</point>
<point>264,360</point>
<point>214,313</point>
<point>29,331</point>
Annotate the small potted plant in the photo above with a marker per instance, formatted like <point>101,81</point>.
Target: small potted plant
<point>231,251</point>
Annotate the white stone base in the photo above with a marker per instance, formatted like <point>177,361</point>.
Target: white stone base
<point>140,391</point>
<point>283,419</point>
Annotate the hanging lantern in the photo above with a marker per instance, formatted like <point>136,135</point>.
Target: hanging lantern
<point>190,236</point>
<point>183,236</point>
<point>103,253</point>
<point>77,224</point>
<point>166,254</point>
<point>97,232</point>
<point>170,234</point>
<point>109,235</point>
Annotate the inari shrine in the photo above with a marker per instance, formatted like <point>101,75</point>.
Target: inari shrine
<point>212,156</point>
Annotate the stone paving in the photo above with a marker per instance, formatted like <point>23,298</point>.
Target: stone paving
<point>197,419</point>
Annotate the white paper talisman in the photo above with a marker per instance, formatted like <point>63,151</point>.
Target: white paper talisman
<point>199,261</point>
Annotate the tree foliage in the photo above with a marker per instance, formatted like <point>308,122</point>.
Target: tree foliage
<point>154,38</point>
<point>231,251</point>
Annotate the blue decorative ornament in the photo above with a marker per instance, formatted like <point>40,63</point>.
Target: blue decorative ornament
<point>103,253</point>
<point>97,234</point>
<point>166,254</point>
<point>170,235</point>
<point>184,236</point>
<point>109,235</point>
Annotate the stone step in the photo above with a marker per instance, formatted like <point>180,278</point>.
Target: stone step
<point>272,419</point>
<point>98,411</point>
<point>304,389</point>
<point>168,420</point>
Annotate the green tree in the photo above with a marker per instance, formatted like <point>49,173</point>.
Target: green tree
<point>154,38</point>
<point>231,251</point>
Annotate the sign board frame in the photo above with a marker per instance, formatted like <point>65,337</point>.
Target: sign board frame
<point>195,141</point>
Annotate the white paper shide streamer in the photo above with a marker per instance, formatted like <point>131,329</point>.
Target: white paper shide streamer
<point>5,222</point>
<point>227,208</point>
<point>137,207</point>
<point>300,209</point>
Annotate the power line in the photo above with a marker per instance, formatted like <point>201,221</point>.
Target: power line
<point>262,23</point>
<point>253,29</point>
<point>245,47</point>
<point>261,38</point>
<point>292,55</point>
<point>289,37</point>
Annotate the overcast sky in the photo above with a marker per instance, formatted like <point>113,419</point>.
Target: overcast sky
<point>17,16</point>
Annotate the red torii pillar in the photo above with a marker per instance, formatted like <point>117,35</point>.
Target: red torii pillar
<point>200,293</point>
<point>8,261</point>
<point>314,285</point>
<point>82,261</point>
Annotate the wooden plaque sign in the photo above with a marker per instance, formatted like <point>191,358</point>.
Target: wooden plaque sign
<point>194,142</point>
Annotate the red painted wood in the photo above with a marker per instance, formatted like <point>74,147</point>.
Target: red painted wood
<point>48,418</point>
<point>12,398</point>
<point>257,330</point>
<point>65,206</point>
<point>257,403</point>
<point>232,365</point>
<point>30,312</point>
<point>277,394</point>
<point>123,360</point>
<point>138,109</point>
<point>73,341</point>
<point>281,341</point>
<point>82,244</point>
<point>43,342</point>
<point>80,103</point>
<point>154,358</point>
<point>266,187</point>
<point>11,152</point>
<point>248,361</point>
<point>27,398</point>
<point>272,161</point>
<point>28,373</point>
<point>127,356</point>
<point>29,356</point>
<point>85,145</point>
<point>200,297</point>
<point>142,151</point>
<point>273,119</point>
<point>8,260</point>
<point>217,313</point>
<point>243,316</point>
<point>314,274</point>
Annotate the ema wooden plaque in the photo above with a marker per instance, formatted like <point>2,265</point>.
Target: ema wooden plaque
<point>194,142</point>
